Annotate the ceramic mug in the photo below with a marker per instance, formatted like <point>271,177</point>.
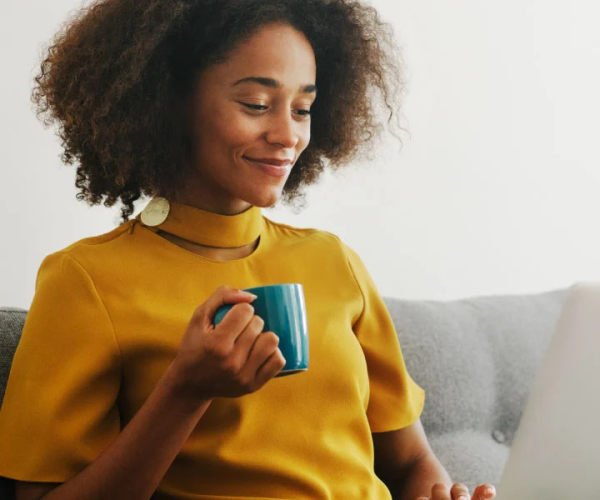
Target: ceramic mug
<point>283,309</point>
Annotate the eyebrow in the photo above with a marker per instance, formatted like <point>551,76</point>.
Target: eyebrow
<point>270,82</point>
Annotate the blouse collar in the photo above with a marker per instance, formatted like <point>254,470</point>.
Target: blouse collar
<point>201,226</point>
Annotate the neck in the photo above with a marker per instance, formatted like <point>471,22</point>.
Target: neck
<point>203,227</point>
<point>222,205</point>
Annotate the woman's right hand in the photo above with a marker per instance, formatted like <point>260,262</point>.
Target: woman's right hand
<point>229,360</point>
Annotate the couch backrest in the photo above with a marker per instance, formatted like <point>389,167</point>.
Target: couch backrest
<point>12,320</point>
<point>476,358</point>
<point>11,323</point>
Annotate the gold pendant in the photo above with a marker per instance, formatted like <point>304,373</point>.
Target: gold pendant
<point>156,212</point>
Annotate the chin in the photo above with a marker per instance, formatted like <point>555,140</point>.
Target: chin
<point>265,199</point>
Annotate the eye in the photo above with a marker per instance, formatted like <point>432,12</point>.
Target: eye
<point>254,106</point>
<point>259,107</point>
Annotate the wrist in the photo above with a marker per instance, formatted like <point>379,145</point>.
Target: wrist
<point>178,388</point>
<point>419,478</point>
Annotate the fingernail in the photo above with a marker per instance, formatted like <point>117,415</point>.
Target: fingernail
<point>251,295</point>
<point>463,497</point>
<point>489,491</point>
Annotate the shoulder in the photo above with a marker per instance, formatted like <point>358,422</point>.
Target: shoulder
<point>320,245</point>
<point>82,256</point>
<point>321,238</point>
<point>90,242</point>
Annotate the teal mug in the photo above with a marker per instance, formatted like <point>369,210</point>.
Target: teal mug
<point>283,309</point>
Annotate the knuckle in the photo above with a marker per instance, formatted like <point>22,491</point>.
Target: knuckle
<point>217,351</point>
<point>245,307</point>
<point>281,358</point>
<point>440,489</point>
<point>258,321</point>
<point>460,489</point>
<point>231,368</point>
<point>246,384</point>
<point>460,486</point>
<point>272,339</point>
<point>198,313</point>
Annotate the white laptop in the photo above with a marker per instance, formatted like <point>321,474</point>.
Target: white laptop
<point>556,450</point>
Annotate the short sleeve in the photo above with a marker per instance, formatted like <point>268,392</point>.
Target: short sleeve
<point>395,401</point>
<point>59,411</point>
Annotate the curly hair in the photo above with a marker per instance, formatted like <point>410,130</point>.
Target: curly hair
<point>116,73</point>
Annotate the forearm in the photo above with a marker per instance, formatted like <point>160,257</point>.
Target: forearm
<point>418,479</point>
<point>136,461</point>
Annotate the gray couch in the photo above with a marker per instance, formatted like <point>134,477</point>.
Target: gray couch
<point>476,359</point>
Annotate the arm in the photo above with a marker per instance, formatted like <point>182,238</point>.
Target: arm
<point>405,462</point>
<point>136,461</point>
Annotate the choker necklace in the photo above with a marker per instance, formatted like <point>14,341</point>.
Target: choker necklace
<point>201,226</point>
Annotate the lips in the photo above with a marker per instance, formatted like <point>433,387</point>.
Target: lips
<point>272,161</point>
<point>272,170</point>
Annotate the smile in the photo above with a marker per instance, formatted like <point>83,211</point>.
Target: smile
<point>270,169</point>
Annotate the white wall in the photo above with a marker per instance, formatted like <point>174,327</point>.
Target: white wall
<point>495,189</point>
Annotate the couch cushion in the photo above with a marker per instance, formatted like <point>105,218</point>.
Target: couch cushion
<point>470,457</point>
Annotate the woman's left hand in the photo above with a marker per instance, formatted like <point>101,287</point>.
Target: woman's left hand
<point>459,491</point>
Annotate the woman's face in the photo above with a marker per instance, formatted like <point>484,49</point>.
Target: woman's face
<point>232,121</point>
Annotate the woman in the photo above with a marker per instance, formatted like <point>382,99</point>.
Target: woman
<point>121,386</point>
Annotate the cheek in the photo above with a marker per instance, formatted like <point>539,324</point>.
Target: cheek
<point>227,130</point>
<point>304,138</point>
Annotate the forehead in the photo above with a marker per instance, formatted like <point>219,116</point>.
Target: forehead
<point>276,51</point>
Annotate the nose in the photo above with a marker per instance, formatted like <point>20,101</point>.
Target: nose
<point>283,129</point>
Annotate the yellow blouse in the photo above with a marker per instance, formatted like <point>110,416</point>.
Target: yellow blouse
<point>107,318</point>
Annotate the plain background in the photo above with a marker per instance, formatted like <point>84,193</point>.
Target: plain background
<point>494,191</point>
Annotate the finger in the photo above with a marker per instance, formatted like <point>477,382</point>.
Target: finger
<point>263,349</point>
<point>440,491</point>
<point>270,368</point>
<point>460,492</point>
<point>231,325</point>
<point>222,296</point>
<point>245,341</point>
<point>481,492</point>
